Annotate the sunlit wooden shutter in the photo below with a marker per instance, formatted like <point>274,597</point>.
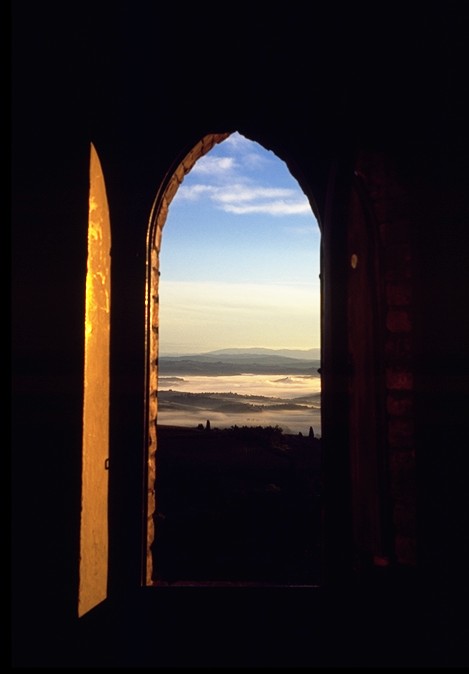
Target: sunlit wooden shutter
<point>95,450</point>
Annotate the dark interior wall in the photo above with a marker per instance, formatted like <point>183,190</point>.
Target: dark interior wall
<point>442,370</point>
<point>144,85</point>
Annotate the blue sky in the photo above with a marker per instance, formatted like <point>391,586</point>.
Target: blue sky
<point>239,256</point>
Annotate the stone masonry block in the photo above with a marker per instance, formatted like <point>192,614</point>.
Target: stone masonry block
<point>399,405</point>
<point>399,380</point>
<point>398,320</point>
<point>397,260</point>
<point>398,294</point>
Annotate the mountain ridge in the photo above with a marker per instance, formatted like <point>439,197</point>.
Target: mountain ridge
<point>225,362</point>
<point>301,354</point>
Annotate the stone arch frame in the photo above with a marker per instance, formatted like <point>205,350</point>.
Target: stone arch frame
<point>158,216</point>
<point>373,184</point>
<point>370,517</point>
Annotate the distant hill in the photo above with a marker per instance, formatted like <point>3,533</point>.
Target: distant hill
<point>302,354</point>
<point>239,361</point>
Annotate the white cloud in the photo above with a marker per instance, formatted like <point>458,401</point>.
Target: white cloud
<point>254,160</point>
<point>271,208</point>
<point>232,198</point>
<point>240,192</point>
<point>215,166</point>
<point>194,192</point>
<point>228,186</point>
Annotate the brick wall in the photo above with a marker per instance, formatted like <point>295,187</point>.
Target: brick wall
<point>387,197</point>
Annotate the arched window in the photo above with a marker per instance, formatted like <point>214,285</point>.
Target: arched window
<point>158,218</point>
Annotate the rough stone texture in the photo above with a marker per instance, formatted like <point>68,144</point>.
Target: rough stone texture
<point>398,321</point>
<point>400,432</point>
<point>397,259</point>
<point>399,404</point>
<point>399,380</point>
<point>398,349</point>
<point>159,216</point>
<point>398,294</point>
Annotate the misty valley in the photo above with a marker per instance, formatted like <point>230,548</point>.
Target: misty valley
<point>241,388</point>
<point>238,470</point>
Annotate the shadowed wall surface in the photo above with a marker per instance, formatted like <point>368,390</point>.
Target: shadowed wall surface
<point>369,113</point>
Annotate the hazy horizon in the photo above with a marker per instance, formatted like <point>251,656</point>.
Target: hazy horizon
<point>316,350</point>
<point>286,392</point>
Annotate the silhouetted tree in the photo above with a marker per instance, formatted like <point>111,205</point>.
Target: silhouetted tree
<point>207,425</point>
<point>311,432</point>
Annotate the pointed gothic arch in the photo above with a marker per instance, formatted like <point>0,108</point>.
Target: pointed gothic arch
<point>158,218</point>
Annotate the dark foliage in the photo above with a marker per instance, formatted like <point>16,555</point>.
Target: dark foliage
<point>237,505</point>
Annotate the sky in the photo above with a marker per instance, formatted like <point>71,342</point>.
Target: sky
<point>239,257</point>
